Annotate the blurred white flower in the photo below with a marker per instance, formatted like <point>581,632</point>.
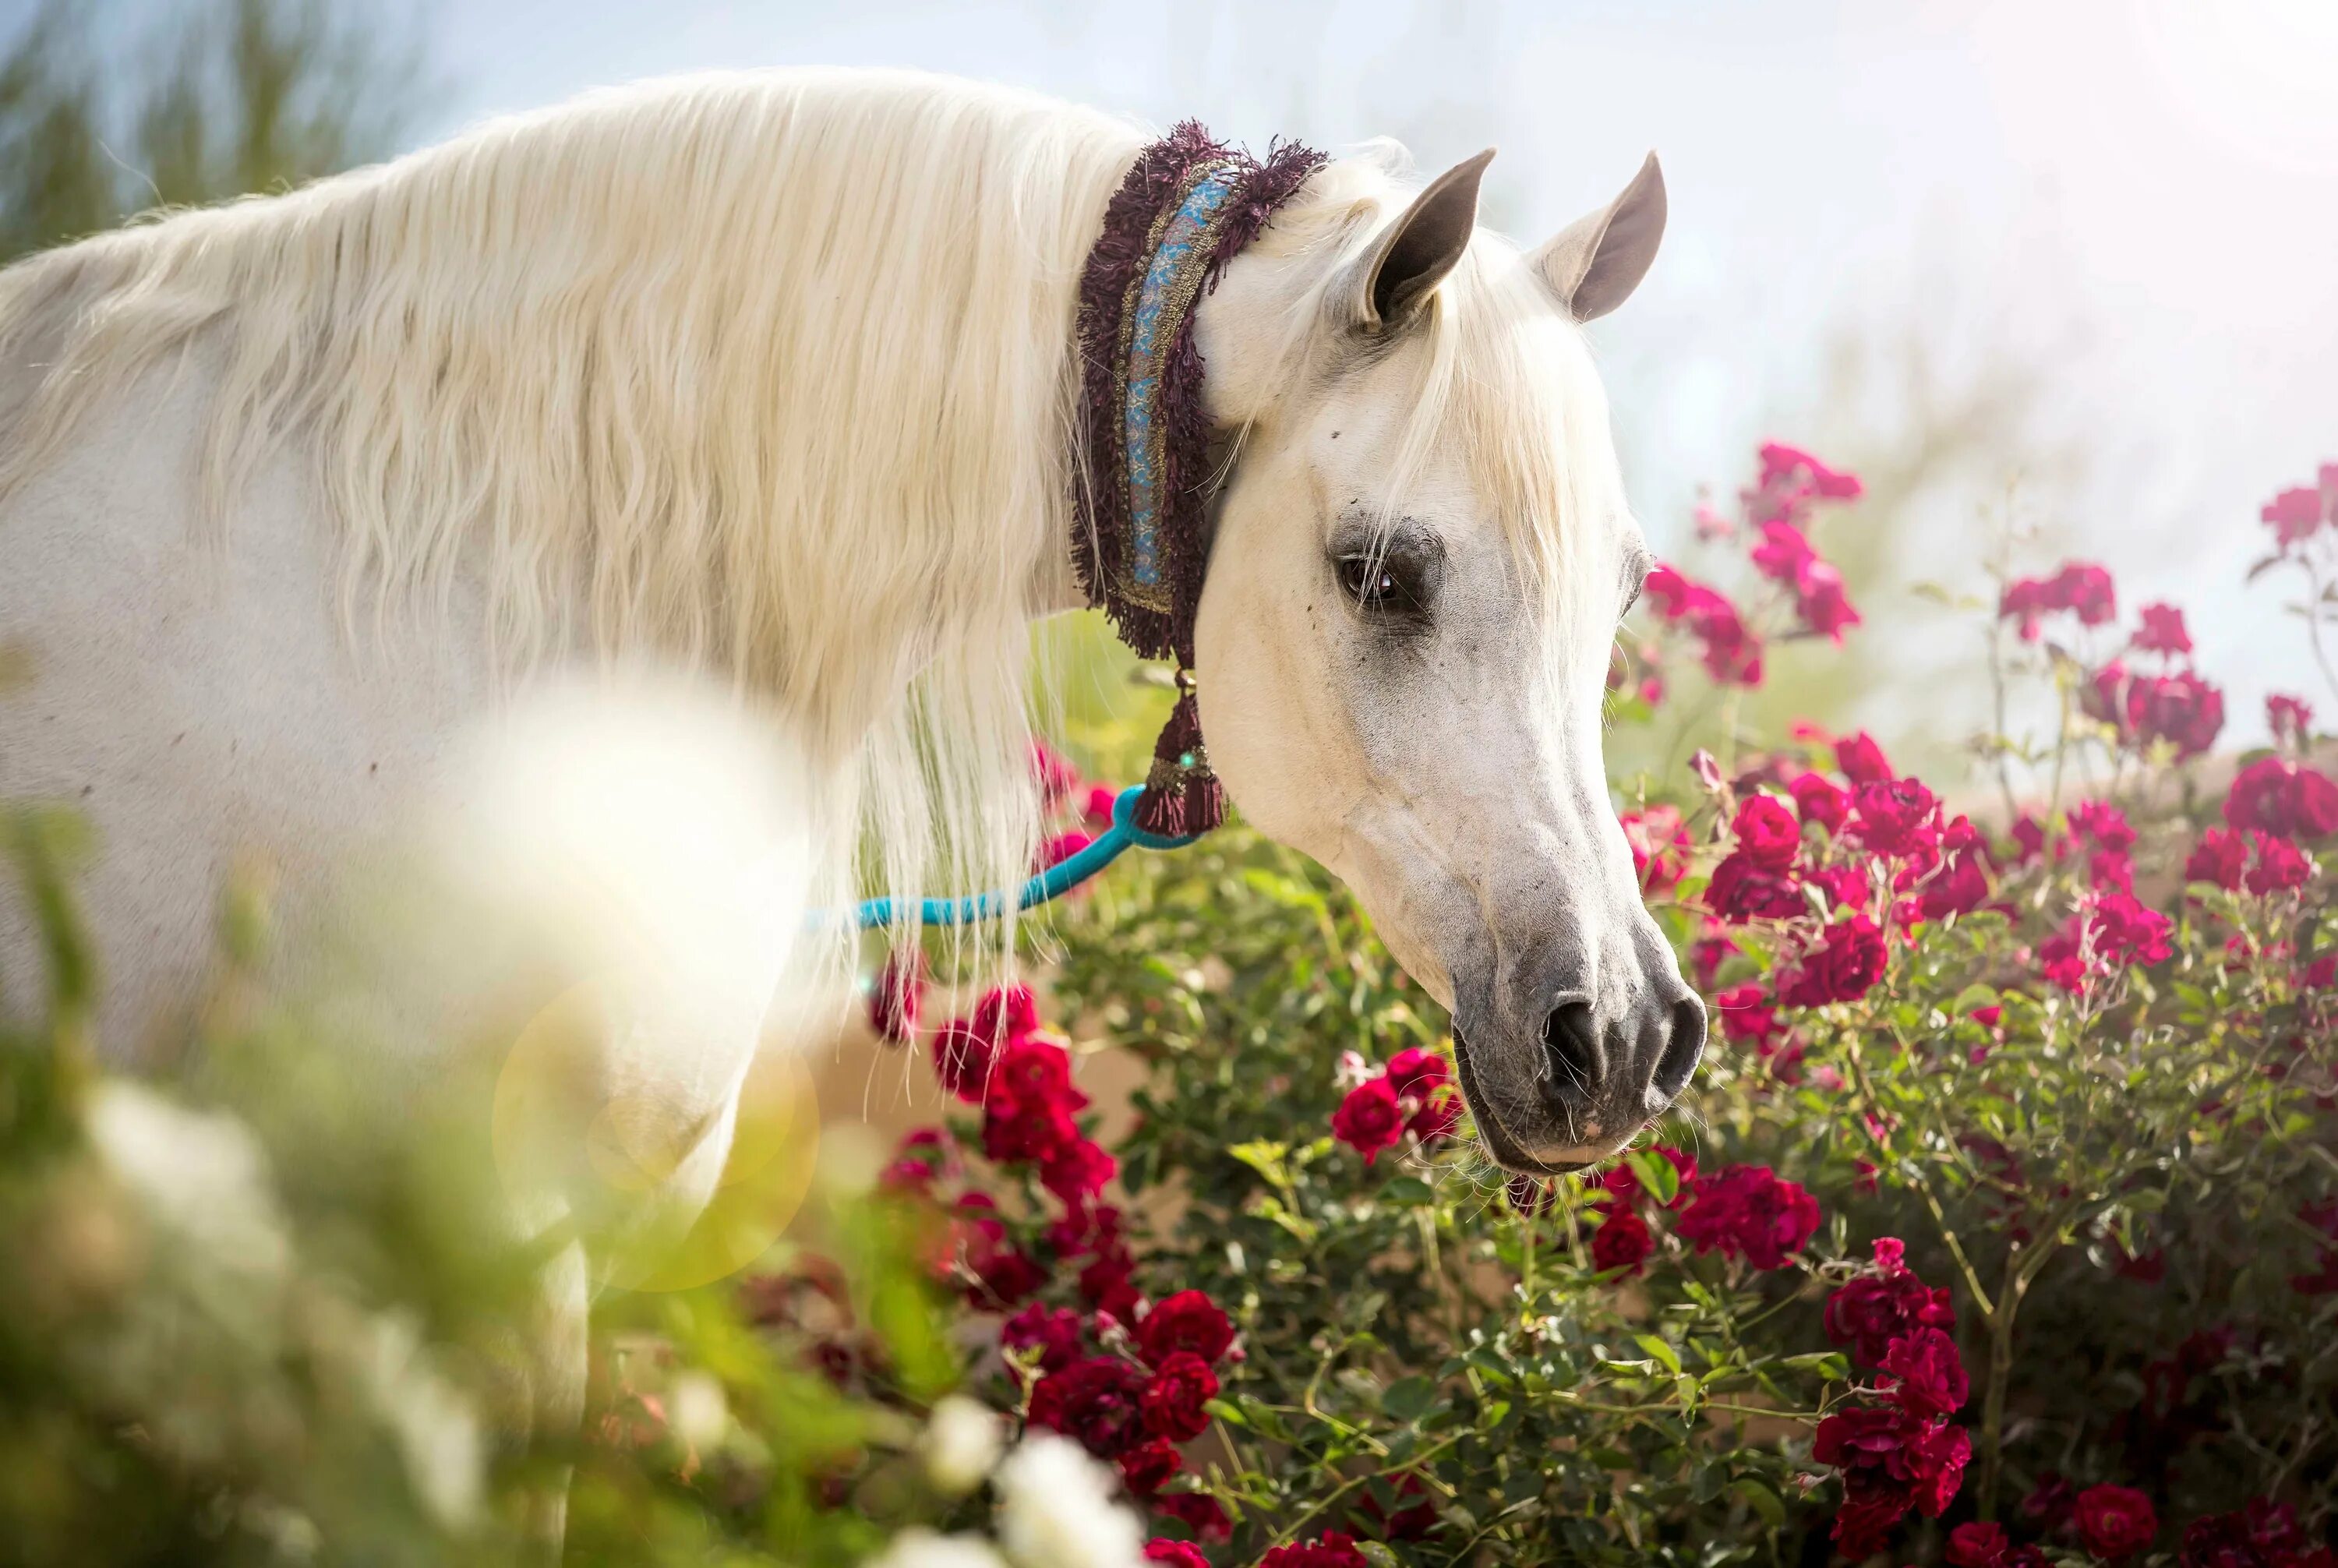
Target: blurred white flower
<point>436,1430</point>
<point>1055,1509</point>
<point>924,1549</point>
<point>199,1179</point>
<point>698,1412</point>
<point>960,1445</point>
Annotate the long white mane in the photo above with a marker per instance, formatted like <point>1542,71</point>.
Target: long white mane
<point>767,372</point>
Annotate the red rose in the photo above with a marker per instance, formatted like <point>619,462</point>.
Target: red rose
<point>1864,1523</point>
<point>2289,719</point>
<point>1929,1375</point>
<point>1768,835</point>
<point>1895,816</point>
<point>1187,1321</point>
<point>1978,1546</point>
<point>1006,1015</point>
<point>1842,969</point>
<point>895,999</point>
<point>1176,1553</point>
<point>1147,1467</point>
<point>1369,1119</point>
<point>1862,760</point>
<point>2181,709</point>
<point>1820,799</point>
<point>1053,1331</point>
<point>1414,1072</point>
<point>1199,1511</point>
<point>2281,865</point>
<point>2116,1522</point>
<point>1747,1015</point>
<point>2162,631</point>
<point>1746,1211</point>
<point>1871,1310</point>
<point>1742,890</point>
<point>1333,1549</point>
<point>2221,857</point>
<point>1622,1241</point>
<point>1173,1400</point>
<point>963,1060</point>
<point>2283,798</point>
<point>1094,1402</point>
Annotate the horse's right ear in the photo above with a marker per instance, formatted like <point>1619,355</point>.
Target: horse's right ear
<point>1391,281</point>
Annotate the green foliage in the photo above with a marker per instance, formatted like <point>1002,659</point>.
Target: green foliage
<point>236,96</point>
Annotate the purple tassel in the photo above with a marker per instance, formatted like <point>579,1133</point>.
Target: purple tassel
<point>1182,797</point>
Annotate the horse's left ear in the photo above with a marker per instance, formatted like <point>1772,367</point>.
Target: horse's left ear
<point>1393,280</point>
<point>1600,259</point>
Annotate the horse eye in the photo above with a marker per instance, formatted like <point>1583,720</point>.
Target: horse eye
<point>1369,582</point>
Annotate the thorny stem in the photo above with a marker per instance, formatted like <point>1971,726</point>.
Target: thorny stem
<point>2313,624</point>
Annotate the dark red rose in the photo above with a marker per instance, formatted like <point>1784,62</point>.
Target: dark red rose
<point>2116,1522</point>
<point>1978,1546</point>
<point>962,1061</point>
<point>1147,1467</point>
<point>1188,1322</point>
<point>1174,1554</point>
<point>1747,1015</point>
<point>2180,709</point>
<point>1369,1119</point>
<point>1622,1241</point>
<point>1173,1400</point>
<point>1333,1549</point>
<point>1053,1331</point>
<point>1870,1513</point>
<point>1929,1375</point>
<point>2051,1502</point>
<point>1006,1015</point>
<point>1094,1402</point>
<point>2283,799</point>
<point>1841,969</point>
<point>1076,1171</point>
<point>1742,890</point>
<point>895,999</point>
<point>1767,833</point>
<point>1199,1511</point>
<point>1898,817</point>
<point>1746,1211</point>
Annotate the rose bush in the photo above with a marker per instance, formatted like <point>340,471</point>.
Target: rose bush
<point>2000,1230</point>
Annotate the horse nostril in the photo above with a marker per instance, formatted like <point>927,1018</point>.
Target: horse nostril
<point>1683,1046</point>
<point>1570,1039</point>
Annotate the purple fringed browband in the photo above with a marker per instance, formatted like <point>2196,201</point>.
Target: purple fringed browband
<point>1138,538</point>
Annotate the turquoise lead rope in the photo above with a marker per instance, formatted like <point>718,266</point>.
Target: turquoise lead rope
<point>1049,885</point>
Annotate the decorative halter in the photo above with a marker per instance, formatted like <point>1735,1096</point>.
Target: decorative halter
<point>1139,536</point>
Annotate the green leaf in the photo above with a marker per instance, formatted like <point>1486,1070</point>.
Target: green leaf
<point>1660,1350</point>
<point>1408,1398</point>
<point>1762,1500</point>
<point>1655,1173</point>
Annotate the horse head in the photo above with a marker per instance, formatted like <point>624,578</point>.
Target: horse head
<point>1421,548</point>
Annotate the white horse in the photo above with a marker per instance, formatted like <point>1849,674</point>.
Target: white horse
<point>771,375</point>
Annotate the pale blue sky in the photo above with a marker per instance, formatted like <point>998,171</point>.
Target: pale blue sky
<point>2138,198</point>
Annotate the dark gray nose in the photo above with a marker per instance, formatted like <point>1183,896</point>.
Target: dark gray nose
<point>1632,1063</point>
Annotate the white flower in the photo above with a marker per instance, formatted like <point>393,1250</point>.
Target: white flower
<point>697,1411</point>
<point>1055,1509</point>
<point>203,1184</point>
<point>924,1549</point>
<point>960,1445</point>
<point>446,1456</point>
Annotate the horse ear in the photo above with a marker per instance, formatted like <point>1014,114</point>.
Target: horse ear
<point>1393,280</point>
<point>1600,259</point>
